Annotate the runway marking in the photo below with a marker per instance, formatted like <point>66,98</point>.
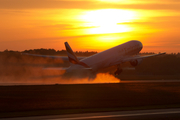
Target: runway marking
<point>121,115</point>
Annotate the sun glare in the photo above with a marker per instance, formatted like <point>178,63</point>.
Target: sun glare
<point>109,38</point>
<point>107,21</point>
<point>104,29</point>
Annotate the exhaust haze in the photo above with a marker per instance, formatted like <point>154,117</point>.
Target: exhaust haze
<point>28,70</point>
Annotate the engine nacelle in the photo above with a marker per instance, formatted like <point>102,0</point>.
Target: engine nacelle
<point>136,62</point>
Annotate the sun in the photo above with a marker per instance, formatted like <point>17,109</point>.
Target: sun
<point>107,21</point>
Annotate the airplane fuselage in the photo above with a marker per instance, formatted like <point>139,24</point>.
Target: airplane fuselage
<point>109,57</point>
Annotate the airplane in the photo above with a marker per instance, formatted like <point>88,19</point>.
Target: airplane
<point>126,52</point>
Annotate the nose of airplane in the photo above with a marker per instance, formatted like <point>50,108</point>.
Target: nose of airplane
<point>140,44</point>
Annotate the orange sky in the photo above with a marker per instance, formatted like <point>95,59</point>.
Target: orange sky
<point>93,25</point>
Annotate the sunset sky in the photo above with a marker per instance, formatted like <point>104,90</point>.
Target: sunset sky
<point>93,25</point>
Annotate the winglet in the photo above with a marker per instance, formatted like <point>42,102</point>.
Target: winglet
<point>72,57</point>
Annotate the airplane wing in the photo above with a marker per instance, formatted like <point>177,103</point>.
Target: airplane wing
<point>131,58</point>
<point>64,58</point>
<point>140,57</point>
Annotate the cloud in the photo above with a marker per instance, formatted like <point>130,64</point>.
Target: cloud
<point>65,27</point>
<point>76,4</point>
<point>154,6</point>
<point>161,22</point>
<point>46,4</point>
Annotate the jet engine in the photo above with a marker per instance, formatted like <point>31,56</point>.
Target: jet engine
<point>135,62</point>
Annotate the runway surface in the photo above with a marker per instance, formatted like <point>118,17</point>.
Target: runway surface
<point>148,93</point>
<point>122,81</point>
<point>123,115</point>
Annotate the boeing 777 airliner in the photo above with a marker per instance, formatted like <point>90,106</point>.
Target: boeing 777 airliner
<point>115,56</point>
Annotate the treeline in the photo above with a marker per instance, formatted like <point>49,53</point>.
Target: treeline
<point>168,64</point>
<point>43,51</point>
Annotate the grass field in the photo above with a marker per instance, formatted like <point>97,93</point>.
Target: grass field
<point>63,99</point>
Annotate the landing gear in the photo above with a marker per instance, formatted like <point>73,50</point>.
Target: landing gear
<point>118,71</point>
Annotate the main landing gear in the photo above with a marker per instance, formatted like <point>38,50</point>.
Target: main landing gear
<point>118,71</point>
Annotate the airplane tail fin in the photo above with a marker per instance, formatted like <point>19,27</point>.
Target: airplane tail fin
<point>72,57</point>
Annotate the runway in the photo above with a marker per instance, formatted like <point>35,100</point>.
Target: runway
<point>121,81</point>
<point>128,115</point>
<point>150,94</point>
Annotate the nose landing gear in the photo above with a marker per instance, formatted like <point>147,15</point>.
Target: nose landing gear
<point>118,71</point>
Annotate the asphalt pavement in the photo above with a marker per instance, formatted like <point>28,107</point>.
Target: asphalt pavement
<point>165,114</point>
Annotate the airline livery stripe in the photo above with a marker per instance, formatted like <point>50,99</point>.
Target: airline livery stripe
<point>72,60</point>
<point>69,50</point>
<point>72,56</point>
